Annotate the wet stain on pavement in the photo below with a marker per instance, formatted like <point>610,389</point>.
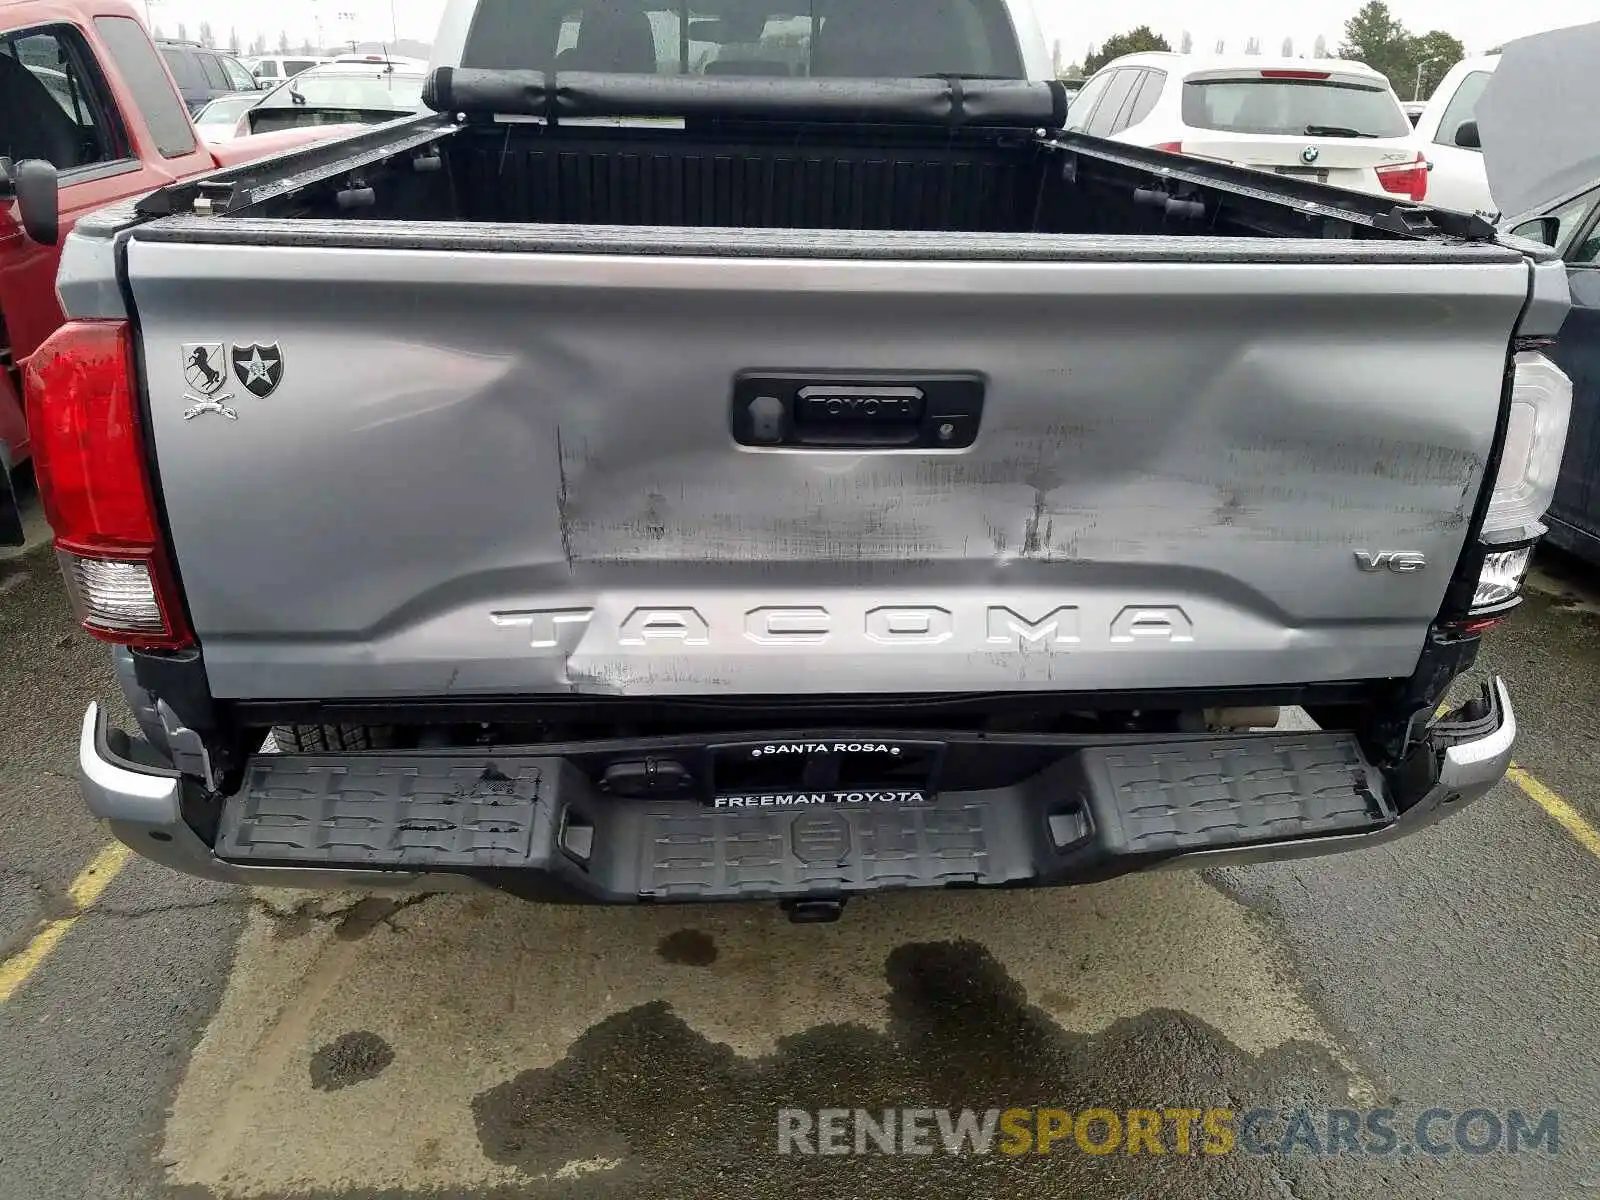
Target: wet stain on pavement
<point>688,1116</point>
<point>367,916</point>
<point>553,1050</point>
<point>688,948</point>
<point>350,1058</point>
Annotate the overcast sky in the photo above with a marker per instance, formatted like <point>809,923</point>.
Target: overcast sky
<point>1478,23</point>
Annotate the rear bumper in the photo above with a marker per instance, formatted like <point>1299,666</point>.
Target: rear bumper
<point>142,805</point>
<point>540,827</point>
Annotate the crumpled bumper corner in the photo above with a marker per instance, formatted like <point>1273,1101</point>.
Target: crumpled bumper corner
<point>142,805</point>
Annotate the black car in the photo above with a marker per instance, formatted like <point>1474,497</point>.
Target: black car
<point>1572,227</point>
<point>203,74</point>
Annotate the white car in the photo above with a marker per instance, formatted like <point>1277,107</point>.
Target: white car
<point>273,69</point>
<point>1325,119</point>
<point>393,60</point>
<point>222,119</point>
<point>1457,179</point>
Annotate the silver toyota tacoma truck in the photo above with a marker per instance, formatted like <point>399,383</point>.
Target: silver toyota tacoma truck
<point>758,455</point>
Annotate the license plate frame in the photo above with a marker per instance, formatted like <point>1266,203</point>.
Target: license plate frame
<point>1319,174</point>
<point>821,772</point>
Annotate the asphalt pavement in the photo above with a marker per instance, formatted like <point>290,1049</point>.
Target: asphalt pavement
<point>181,1039</point>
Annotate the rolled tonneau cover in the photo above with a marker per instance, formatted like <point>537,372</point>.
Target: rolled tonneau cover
<point>946,101</point>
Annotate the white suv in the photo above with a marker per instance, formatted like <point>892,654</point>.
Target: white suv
<point>275,68</point>
<point>1325,119</point>
<point>1457,180</point>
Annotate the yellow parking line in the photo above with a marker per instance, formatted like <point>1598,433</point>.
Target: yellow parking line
<point>1562,813</point>
<point>84,891</point>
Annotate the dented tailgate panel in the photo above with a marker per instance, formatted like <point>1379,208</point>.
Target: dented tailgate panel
<point>514,473</point>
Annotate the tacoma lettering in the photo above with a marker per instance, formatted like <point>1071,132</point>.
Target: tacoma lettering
<point>887,625</point>
<point>1008,628</point>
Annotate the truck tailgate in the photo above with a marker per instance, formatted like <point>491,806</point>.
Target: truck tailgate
<point>509,472</point>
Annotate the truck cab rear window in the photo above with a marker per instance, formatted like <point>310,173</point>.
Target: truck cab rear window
<point>1292,106</point>
<point>829,38</point>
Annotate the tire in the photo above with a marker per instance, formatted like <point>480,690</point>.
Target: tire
<point>318,739</point>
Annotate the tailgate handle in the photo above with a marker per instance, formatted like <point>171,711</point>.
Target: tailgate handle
<point>858,416</point>
<point>831,413</point>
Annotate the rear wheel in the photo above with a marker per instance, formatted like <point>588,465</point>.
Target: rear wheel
<point>316,739</point>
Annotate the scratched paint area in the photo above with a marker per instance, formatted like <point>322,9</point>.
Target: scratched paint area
<point>1126,478</point>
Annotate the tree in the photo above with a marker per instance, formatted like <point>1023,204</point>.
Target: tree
<point>233,40</point>
<point>1253,46</point>
<point>283,42</point>
<point>1186,43</point>
<point>1135,41</point>
<point>183,32</point>
<point>1432,54</point>
<point>1288,47</point>
<point>207,38</point>
<point>157,33</point>
<point>1222,46</point>
<point>305,47</point>
<point>1319,48</point>
<point>1376,37</point>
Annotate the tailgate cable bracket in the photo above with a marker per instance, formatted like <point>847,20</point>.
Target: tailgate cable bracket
<point>212,197</point>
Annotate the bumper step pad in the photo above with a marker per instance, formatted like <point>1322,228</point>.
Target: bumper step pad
<point>1195,795</point>
<point>388,811</point>
<point>1096,810</point>
<point>689,853</point>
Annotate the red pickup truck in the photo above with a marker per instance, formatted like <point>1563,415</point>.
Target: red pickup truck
<point>83,90</point>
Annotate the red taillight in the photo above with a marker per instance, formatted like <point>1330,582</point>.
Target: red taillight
<point>1406,179</point>
<point>90,468</point>
<point>1286,73</point>
<point>1169,147</point>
